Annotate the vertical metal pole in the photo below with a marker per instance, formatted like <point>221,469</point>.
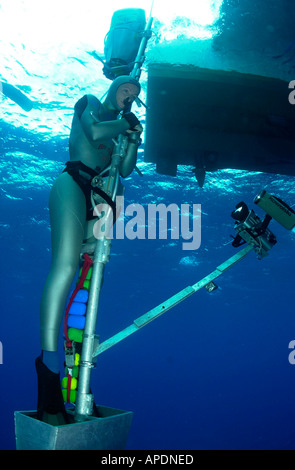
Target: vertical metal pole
<point>140,55</point>
<point>84,400</point>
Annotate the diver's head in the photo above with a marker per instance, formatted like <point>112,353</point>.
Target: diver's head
<point>122,92</point>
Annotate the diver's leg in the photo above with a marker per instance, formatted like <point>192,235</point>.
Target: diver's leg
<point>67,216</point>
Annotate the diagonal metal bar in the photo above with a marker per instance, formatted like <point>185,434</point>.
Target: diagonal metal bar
<point>162,308</point>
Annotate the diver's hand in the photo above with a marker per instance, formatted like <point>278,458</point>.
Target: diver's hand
<point>136,130</point>
<point>133,122</point>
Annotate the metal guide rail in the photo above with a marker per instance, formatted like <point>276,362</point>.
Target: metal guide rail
<point>162,308</point>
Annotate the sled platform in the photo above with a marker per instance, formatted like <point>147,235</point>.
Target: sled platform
<point>108,432</point>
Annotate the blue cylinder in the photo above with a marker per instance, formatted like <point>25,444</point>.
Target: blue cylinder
<point>77,308</point>
<point>76,321</point>
<point>81,296</point>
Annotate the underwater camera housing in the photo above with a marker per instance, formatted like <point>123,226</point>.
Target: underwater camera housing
<point>254,231</point>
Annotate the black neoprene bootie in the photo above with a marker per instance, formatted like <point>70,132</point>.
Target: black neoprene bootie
<point>50,406</point>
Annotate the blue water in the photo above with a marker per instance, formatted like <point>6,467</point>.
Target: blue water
<point>212,373</point>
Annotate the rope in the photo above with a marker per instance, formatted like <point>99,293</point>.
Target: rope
<point>86,265</point>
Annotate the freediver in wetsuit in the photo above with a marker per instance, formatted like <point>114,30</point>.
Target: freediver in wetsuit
<point>94,126</point>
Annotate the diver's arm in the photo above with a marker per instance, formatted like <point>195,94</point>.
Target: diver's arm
<point>128,163</point>
<point>97,131</point>
<point>110,129</point>
<point>87,110</point>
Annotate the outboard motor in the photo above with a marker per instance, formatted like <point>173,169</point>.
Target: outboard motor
<point>122,41</point>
